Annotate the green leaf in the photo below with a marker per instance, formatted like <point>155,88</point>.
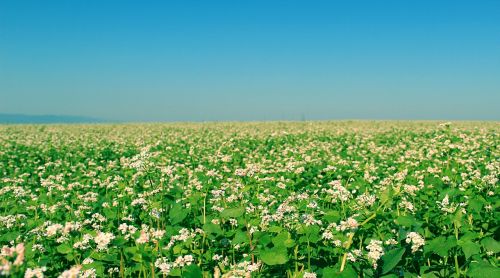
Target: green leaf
<point>70,256</point>
<point>176,272</point>
<point>275,229</point>
<point>109,213</point>
<point>131,249</point>
<point>240,237</point>
<point>429,275</point>
<point>407,221</point>
<point>9,236</point>
<point>283,239</point>
<point>232,212</point>
<point>98,266</point>
<point>470,248</point>
<point>491,245</point>
<point>482,270</point>
<point>64,249</point>
<point>177,214</point>
<point>391,259</point>
<point>137,258</point>
<point>211,228</point>
<point>332,216</point>
<point>334,271</point>
<point>274,256</point>
<point>386,196</point>
<point>311,233</point>
<point>476,204</point>
<point>192,271</point>
<point>440,246</point>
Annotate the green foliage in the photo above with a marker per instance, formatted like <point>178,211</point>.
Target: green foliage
<point>337,199</point>
<point>391,259</point>
<point>274,256</point>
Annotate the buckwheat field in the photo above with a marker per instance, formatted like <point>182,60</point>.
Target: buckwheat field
<point>304,199</point>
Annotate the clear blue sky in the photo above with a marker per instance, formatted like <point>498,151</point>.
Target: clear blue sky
<point>251,60</point>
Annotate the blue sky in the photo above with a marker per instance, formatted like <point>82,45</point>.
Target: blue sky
<point>251,60</point>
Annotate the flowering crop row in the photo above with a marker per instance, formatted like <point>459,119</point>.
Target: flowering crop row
<point>325,199</point>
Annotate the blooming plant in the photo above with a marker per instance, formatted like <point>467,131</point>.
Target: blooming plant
<point>324,199</point>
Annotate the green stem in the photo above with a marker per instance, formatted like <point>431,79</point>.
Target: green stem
<point>457,267</point>
<point>308,255</point>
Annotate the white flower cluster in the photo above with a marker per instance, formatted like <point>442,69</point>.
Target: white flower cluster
<point>416,241</point>
<point>184,234</point>
<point>127,230</point>
<point>165,266</point>
<point>73,272</point>
<point>243,269</point>
<point>366,200</point>
<point>7,254</point>
<point>35,272</point>
<point>446,206</point>
<point>84,243</point>
<point>309,275</point>
<point>102,240</point>
<point>375,251</point>
<point>349,224</point>
<point>338,192</point>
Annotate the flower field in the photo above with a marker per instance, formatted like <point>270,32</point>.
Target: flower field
<point>319,199</point>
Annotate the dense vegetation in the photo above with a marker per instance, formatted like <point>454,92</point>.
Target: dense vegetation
<point>328,199</point>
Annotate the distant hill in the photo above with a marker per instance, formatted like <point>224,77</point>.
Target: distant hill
<point>45,119</point>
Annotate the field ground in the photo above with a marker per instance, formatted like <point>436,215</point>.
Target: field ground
<point>278,199</point>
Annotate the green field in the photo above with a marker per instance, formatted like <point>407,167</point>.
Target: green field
<point>304,199</point>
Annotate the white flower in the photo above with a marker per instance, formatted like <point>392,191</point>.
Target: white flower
<point>53,229</point>
<point>446,206</point>
<point>89,273</point>
<point>416,240</point>
<point>35,272</point>
<point>375,251</point>
<point>164,266</point>
<point>143,238</point>
<point>183,261</point>
<point>88,261</point>
<point>391,241</point>
<point>73,272</point>
<point>102,240</point>
<point>349,224</point>
<point>309,275</point>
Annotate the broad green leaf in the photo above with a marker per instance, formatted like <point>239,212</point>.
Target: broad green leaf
<point>491,245</point>
<point>334,271</point>
<point>274,256</point>
<point>283,239</point>
<point>470,248</point>
<point>240,237</point>
<point>275,229</point>
<point>332,216</point>
<point>177,213</point>
<point>440,245</point>
<point>98,266</point>
<point>211,228</point>
<point>64,249</point>
<point>192,271</point>
<point>232,212</point>
<point>391,258</point>
<point>482,270</point>
<point>407,221</point>
<point>109,213</point>
<point>176,272</point>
